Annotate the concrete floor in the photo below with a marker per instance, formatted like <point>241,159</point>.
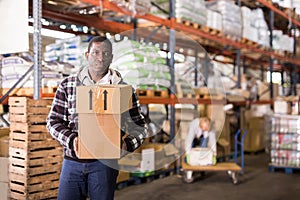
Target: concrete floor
<point>257,183</point>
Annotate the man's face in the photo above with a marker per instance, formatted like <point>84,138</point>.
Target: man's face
<point>99,57</point>
<point>204,125</point>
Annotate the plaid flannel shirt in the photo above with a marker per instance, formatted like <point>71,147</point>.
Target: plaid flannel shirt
<point>62,121</point>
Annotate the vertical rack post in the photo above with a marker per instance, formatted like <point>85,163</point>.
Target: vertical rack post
<point>134,20</point>
<point>262,73</point>
<point>244,66</point>
<point>282,81</point>
<point>296,76</point>
<point>238,59</point>
<point>196,68</point>
<point>205,67</point>
<point>172,44</point>
<point>37,47</point>
<point>271,24</point>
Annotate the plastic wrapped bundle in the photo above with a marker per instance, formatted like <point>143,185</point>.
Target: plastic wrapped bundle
<point>140,7</point>
<point>158,5</point>
<point>231,17</point>
<point>214,20</point>
<point>141,65</point>
<point>191,10</point>
<point>249,31</point>
<point>262,27</point>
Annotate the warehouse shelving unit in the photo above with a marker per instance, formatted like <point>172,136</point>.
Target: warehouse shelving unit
<point>214,42</point>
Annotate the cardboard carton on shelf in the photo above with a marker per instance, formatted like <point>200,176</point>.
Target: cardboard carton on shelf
<point>99,111</point>
<point>4,146</point>
<point>255,139</point>
<point>264,91</point>
<point>149,157</point>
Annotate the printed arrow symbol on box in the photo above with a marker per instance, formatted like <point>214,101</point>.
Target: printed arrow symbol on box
<point>91,99</point>
<point>105,99</point>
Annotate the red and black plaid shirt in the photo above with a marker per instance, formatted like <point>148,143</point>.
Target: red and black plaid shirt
<point>62,121</point>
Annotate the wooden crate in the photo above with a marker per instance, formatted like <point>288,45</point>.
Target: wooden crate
<point>26,110</point>
<point>35,158</point>
<point>34,174</point>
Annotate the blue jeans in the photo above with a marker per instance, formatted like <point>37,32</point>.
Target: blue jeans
<point>93,179</point>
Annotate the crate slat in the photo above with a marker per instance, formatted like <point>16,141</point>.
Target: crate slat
<point>26,118</point>
<point>24,154</point>
<point>29,110</point>
<point>25,101</point>
<point>25,127</point>
<point>37,195</point>
<point>34,145</point>
<point>33,180</point>
<point>27,136</point>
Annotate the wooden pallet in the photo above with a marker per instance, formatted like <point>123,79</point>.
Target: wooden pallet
<point>152,93</point>
<point>279,52</point>
<point>212,31</point>
<point>189,23</point>
<point>185,95</point>
<point>285,169</point>
<point>231,37</point>
<point>249,42</point>
<point>34,174</point>
<point>27,91</point>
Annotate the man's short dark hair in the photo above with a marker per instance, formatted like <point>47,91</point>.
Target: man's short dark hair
<point>99,39</point>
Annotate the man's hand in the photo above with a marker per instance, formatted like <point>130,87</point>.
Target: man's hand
<point>124,151</point>
<point>75,146</point>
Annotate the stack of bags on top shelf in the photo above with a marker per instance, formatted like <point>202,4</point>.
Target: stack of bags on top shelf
<point>69,50</point>
<point>191,10</point>
<point>249,30</point>
<point>282,42</point>
<point>140,7</point>
<point>214,20</point>
<point>14,67</point>
<point>262,28</point>
<point>141,65</point>
<point>160,8</point>
<point>231,17</point>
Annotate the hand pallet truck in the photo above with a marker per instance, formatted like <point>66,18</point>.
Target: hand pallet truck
<point>232,168</point>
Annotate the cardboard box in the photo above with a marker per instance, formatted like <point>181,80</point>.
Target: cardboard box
<point>255,140</point>
<point>103,99</point>
<point>99,136</point>
<point>99,109</point>
<point>4,146</point>
<point>264,91</point>
<point>4,131</point>
<point>200,157</point>
<point>139,161</point>
<point>123,176</point>
<point>3,191</point>
<point>149,157</point>
<point>282,107</point>
<point>3,169</point>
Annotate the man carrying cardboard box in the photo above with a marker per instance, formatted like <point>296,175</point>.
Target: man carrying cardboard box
<point>91,177</point>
